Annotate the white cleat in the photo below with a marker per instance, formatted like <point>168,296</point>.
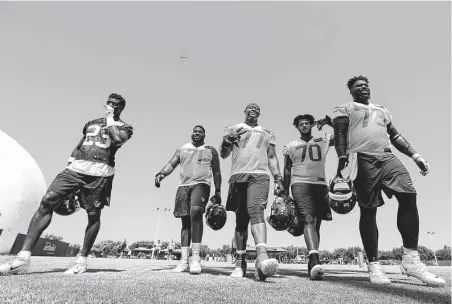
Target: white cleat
<point>195,265</point>
<point>412,266</point>
<point>237,273</point>
<point>182,267</point>
<point>18,265</point>
<point>78,268</point>
<point>377,274</point>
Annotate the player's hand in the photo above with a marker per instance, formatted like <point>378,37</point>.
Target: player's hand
<point>323,121</point>
<point>214,200</point>
<point>343,161</point>
<point>158,178</point>
<point>109,111</point>
<point>423,165</point>
<point>279,187</point>
<point>234,136</point>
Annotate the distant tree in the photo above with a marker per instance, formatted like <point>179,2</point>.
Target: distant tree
<point>204,251</point>
<point>397,253</point>
<point>226,249</point>
<point>291,251</point>
<point>425,253</point>
<point>325,255</point>
<point>444,254</point>
<point>145,244</point>
<point>339,253</point>
<point>53,237</point>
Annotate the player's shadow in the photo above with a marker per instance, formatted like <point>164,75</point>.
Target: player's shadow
<point>62,270</point>
<point>421,291</point>
<point>226,272</point>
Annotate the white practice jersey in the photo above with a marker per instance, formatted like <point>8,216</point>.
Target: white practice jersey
<point>308,159</point>
<point>195,164</point>
<point>251,154</point>
<point>367,129</point>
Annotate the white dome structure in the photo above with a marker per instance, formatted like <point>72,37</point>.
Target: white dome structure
<point>22,187</point>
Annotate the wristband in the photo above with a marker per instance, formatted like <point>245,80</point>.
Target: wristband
<point>343,157</point>
<point>415,156</point>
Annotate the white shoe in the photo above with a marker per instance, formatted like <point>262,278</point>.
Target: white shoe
<point>182,267</point>
<point>18,265</point>
<point>412,266</point>
<point>377,274</point>
<point>195,265</point>
<point>79,267</point>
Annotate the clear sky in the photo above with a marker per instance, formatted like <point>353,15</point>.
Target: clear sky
<point>60,61</point>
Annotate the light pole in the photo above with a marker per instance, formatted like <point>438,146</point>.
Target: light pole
<point>430,234</point>
<point>158,210</point>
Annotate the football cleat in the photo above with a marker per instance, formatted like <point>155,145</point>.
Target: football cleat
<point>412,266</point>
<point>342,196</point>
<point>239,270</point>
<point>195,265</point>
<point>18,265</point>
<point>282,213</point>
<point>216,216</point>
<point>265,267</point>
<point>377,275</point>
<point>79,267</point>
<point>315,269</point>
<point>70,205</point>
<point>182,267</point>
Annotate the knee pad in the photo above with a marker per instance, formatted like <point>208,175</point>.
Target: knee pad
<point>256,213</point>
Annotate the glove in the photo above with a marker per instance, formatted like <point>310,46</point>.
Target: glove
<point>158,178</point>
<point>109,111</point>
<point>343,162</point>
<point>422,164</point>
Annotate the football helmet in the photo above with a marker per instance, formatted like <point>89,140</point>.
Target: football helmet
<point>297,227</point>
<point>70,205</point>
<point>282,213</point>
<point>341,195</point>
<point>216,216</point>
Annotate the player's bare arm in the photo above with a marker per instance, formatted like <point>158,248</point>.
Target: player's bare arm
<point>273,165</point>
<point>168,169</point>
<point>287,173</point>
<point>340,126</point>
<point>216,173</point>
<point>401,144</point>
<point>77,148</point>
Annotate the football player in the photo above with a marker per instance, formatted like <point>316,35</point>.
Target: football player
<point>199,163</point>
<point>304,174</point>
<point>90,170</point>
<point>253,156</point>
<point>367,129</point>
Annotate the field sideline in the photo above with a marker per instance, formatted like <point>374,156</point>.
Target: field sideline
<point>149,281</point>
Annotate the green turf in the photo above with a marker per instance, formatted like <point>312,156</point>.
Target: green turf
<point>146,281</point>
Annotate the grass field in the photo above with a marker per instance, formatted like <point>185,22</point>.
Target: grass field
<point>149,281</point>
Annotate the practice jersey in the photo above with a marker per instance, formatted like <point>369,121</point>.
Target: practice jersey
<point>196,164</point>
<point>251,154</point>
<point>308,159</point>
<point>367,129</point>
<point>96,156</point>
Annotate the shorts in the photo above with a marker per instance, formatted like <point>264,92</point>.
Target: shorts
<point>247,194</point>
<point>95,190</point>
<point>190,196</point>
<point>312,199</point>
<point>380,172</point>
